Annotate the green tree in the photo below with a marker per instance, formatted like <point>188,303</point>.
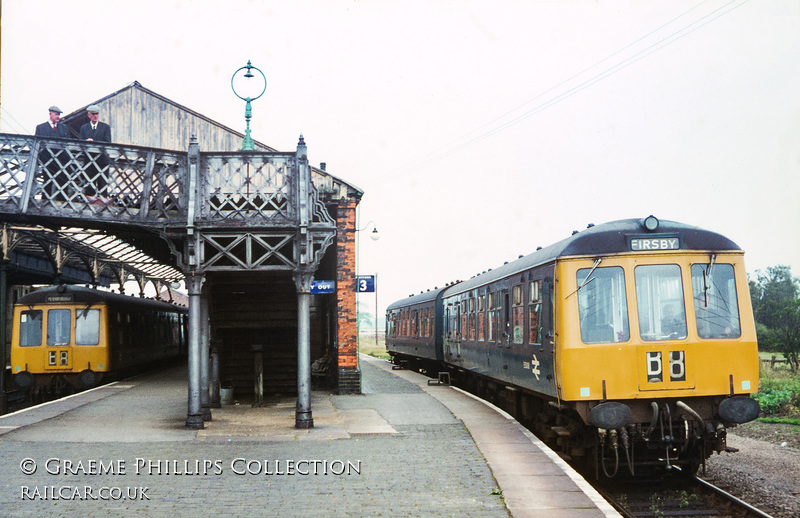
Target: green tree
<point>776,305</point>
<point>366,318</point>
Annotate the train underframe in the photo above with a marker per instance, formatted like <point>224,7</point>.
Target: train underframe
<point>661,434</point>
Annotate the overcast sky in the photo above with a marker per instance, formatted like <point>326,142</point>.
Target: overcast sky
<point>478,130</point>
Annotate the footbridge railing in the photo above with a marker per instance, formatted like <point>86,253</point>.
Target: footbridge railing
<point>218,210</point>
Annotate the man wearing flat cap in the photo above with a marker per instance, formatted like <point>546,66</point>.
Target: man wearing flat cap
<point>53,127</point>
<point>52,156</point>
<point>96,164</point>
<point>94,130</point>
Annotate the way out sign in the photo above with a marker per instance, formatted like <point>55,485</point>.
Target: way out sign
<point>323,286</point>
<point>365,283</point>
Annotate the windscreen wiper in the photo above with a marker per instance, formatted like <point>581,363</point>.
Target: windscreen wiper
<point>588,278</point>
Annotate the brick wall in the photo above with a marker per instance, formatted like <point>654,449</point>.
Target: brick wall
<point>347,327</point>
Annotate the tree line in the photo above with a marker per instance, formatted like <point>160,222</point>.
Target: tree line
<point>776,306</point>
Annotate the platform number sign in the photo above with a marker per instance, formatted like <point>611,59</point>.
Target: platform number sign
<point>655,367</point>
<point>365,283</point>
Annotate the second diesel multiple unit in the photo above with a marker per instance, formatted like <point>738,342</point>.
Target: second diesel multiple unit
<point>77,336</point>
<point>631,342</point>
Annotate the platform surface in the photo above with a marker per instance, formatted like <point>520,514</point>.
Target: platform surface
<point>402,448</point>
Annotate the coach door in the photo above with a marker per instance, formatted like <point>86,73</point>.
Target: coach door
<point>59,338</point>
<point>452,337</point>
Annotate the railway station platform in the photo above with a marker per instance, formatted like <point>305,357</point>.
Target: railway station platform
<point>402,448</point>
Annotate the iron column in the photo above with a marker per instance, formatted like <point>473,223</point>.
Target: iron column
<point>195,417</point>
<point>204,356</point>
<point>303,417</point>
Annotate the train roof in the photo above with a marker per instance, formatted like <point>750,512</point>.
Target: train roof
<point>427,296</point>
<point>69,293</point>
<point>598,240</point>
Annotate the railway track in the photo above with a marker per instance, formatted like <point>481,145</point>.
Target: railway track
<point>676,496</point>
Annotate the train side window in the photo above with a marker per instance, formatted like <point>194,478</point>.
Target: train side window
<point>471,318</point>
<point>87,327</point>
<point>493,321</point>
<point>462,326</point>
<point>481,318</point>
<point>716,306</point>
<point>517,315</point>
<point>58,326</point>
<point>30,328</point>
<point>659,301</point>
<point>535,313</point>
<point>602,305</point>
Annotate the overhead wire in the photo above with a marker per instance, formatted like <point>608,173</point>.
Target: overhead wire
<point>574,76</point>
<point>663,42</point>
<point>19,128</point>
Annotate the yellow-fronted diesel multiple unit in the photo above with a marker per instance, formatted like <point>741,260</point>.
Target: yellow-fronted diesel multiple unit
<point>77,336</point>
<point>631,342</point>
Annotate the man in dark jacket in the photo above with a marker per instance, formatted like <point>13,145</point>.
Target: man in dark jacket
<point>53,157</point>
<point>52,128</point>
<point>96,167</point>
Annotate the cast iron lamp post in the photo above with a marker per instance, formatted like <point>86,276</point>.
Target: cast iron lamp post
<point>250,86</point>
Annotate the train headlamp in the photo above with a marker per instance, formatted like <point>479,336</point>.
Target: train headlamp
<point>610,415</point>
<point>739,409</point>
<point>650,223</point>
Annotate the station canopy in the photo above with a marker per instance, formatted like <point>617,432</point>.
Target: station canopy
<point>82,255</point>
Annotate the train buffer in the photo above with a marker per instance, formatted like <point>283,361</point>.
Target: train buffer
<point>400,365</point>
<point>442,379</point>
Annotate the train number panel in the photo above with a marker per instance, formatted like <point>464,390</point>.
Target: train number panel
<point>663,369</point>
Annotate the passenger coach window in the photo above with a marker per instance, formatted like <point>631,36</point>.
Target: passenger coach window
<point>481,318</point>
<point>30,328</point>
<point>659,299</point>
<point>494,318</point>
<point>471,319</point>
<point>462,329</point>
<point>58,326</point>
<point>518,315</point>
<point>715,304</point>
<point>534,312</point>
<point>602,305</point>
<point>87,327</point>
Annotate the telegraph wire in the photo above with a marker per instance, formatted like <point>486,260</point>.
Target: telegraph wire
<point>667,40</point>
<point>574,76</point>
<point>19,126</point>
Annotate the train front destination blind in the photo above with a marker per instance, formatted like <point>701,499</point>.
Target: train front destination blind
<point>655,242</point>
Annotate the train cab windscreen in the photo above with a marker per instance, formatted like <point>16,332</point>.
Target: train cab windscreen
<point>30,328</point>
<point>715,304</point>
<point>58,326</point>
<point>87,327</point>
<point>602,305</point>
<point>659,300</point>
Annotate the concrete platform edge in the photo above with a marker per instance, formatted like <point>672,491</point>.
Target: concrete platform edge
<point>591,492</point>
<point>601,504</point>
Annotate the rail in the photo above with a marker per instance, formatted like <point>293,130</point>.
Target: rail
<point>680,495</point>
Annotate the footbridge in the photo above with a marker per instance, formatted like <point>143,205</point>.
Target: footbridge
<point>198,213</point>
